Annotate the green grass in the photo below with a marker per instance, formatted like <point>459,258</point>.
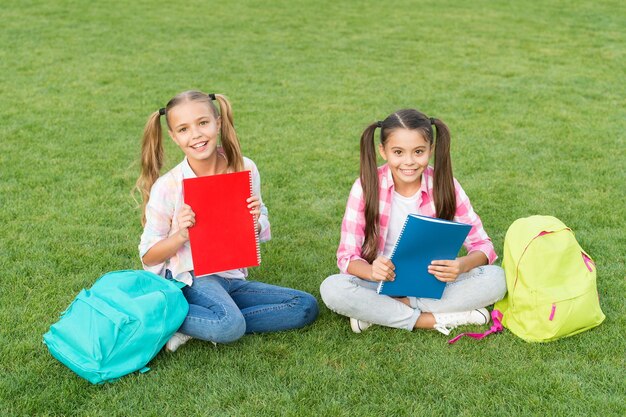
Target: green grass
<point>534,95</point>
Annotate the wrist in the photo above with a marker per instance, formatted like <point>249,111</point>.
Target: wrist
<point>463,265</point>
<point>361,269</point>
<point>181,237</point>
<point>370,273</point>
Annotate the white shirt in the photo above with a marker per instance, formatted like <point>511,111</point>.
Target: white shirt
<point>166,199</point>
<point>400,208</point>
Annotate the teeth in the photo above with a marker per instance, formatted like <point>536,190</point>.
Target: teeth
<point>199,145</point>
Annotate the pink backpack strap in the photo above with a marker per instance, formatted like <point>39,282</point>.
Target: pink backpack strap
<point>496,316</point>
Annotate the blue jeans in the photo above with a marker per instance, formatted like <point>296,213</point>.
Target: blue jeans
<point>222,310</point>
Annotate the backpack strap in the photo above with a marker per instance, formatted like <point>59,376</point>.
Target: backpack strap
<point>497,327</point>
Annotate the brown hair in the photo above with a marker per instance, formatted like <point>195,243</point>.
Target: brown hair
<point>152,141</point>
<point>443,180</point>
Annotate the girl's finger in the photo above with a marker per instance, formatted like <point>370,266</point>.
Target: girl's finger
<point>449,277</point>
<point>443,279</point>
<point>442,263</point>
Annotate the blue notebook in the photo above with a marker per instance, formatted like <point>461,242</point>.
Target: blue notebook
<point>423,240</point>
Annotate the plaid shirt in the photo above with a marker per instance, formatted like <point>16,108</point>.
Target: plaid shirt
<point>166,200</point>
<point>353,225</point>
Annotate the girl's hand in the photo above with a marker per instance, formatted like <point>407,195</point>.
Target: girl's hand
<point>447,271</point>
<point>254,204</point>
<point>382,269</point>
<point>186,219</point>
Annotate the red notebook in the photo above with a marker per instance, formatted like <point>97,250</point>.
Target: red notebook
<point>224,236</point>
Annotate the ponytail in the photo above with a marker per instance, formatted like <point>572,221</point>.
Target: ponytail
<point>443,180</point>
<point>230,142</point>
<point>151,160</point>
<point>369,183</point>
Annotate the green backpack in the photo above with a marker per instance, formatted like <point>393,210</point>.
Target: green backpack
<point>551,282</point>
<point>118,325</point>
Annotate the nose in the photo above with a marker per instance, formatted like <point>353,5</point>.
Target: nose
<point>195,132</point>
<point>410,160</point>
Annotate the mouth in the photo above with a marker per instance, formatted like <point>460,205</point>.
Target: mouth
<point>408,172</point>
<point>200,146</point>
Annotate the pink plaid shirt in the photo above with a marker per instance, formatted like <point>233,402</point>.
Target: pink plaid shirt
<point>353,225</point>
<point>166,200</point>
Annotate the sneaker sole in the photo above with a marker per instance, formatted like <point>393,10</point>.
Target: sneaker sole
<point>485,313</point>
<point>354,325</point>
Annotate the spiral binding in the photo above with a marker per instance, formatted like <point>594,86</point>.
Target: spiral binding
<point>256,235</point>
<point>380,285</point>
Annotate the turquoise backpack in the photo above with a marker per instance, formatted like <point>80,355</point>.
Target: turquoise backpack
<point>551,282</point>
<point>117,326</point>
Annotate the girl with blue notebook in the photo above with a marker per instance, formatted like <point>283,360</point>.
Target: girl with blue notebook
<point>378,205</point>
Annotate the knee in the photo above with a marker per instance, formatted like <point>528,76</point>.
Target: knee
<point>232,327</point>
<point>497,280</point>
<point>309,308</point>
<point>332,290</point>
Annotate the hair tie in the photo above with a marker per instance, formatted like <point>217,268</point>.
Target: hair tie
<point>162,111</point>
<point>379,124</point>
<point>432,120</point>
<point>212,96</point>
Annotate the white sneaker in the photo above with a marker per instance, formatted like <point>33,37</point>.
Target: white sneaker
<point>448,321</point>
<point>176,341</point>
<point>359,326</point>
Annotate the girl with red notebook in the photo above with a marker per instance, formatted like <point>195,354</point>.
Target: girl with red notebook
<point>223,306</point>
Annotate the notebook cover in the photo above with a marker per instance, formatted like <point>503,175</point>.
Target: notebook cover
<point>422,240</point>
<point>224,236</point>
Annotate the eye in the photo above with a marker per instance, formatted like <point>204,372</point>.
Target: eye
<point>419,151</point>
<point>204,123</point>
<point>182,130</point>
<point>397,152</point>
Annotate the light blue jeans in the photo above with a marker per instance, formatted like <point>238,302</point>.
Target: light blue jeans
<point>357,298</point>
<point>222,310</point>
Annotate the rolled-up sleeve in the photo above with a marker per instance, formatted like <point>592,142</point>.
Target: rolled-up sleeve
<point>477,239</point>
<point>159,214</point>
<point>352,229</point>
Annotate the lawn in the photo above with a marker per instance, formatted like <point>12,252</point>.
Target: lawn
<point>533,92</point>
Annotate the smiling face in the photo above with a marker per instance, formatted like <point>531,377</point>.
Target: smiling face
<point>407,153</point>
<point>195,128</point>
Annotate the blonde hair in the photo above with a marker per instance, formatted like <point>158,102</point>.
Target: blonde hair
<point>152,141</point>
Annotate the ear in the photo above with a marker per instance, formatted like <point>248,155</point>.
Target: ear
<point>381,151</point>
<point>218,121</point>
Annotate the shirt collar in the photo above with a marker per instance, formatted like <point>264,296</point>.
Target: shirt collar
<point>386,179</point>
<point>187,171</point>
<point>426,181</point>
